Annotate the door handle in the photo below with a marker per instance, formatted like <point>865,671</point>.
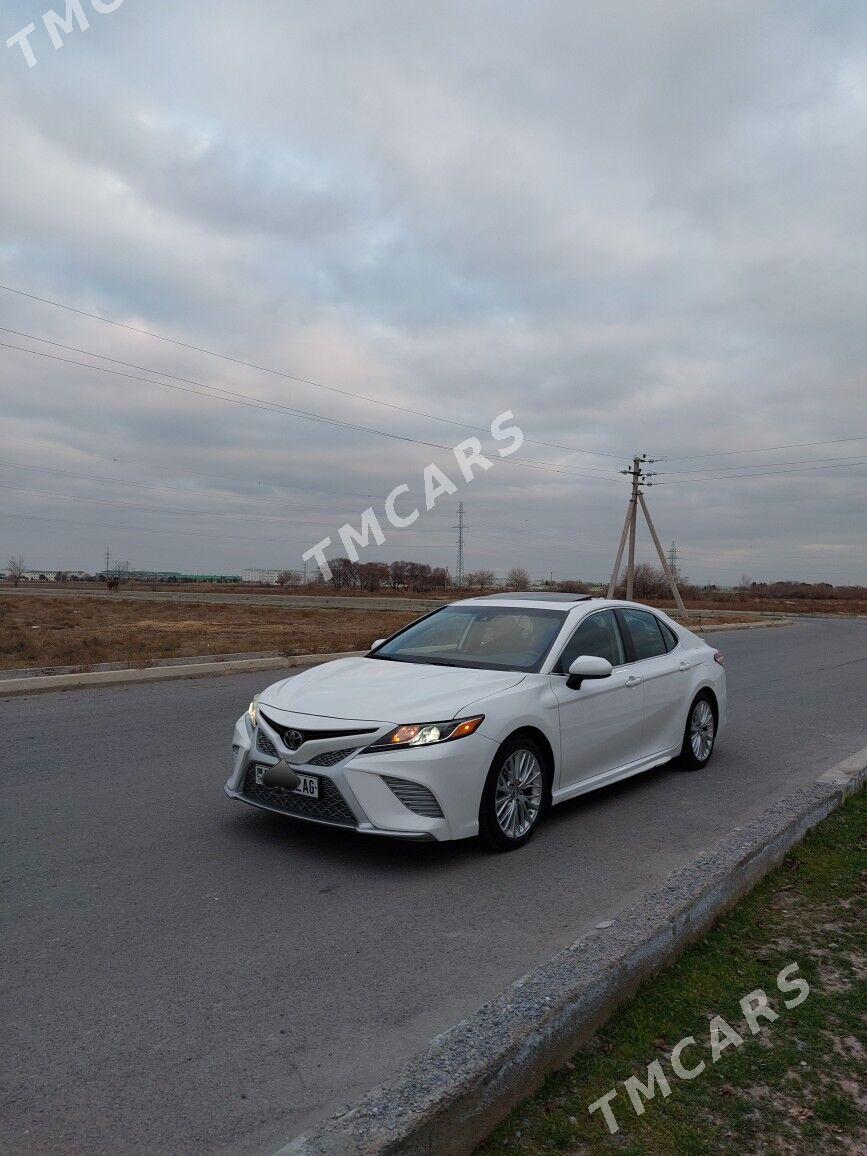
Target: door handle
<point>634,680</point>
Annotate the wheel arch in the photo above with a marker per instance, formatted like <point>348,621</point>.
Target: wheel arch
<point>544,744</point>
<point>705,690</point>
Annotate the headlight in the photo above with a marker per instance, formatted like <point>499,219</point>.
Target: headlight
<point>422,734</point>
<point>253,711</point>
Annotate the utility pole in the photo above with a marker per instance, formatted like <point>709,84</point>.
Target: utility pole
<point>461,528</point>
<point>107,560</point>
<point>672,557</point>
<point>639,476</point>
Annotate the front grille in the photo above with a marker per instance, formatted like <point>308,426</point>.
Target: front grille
<point>415,797</point>
<point>265,745</point>
<point>330,807</point>
<point>329,758</point>
<point>307,736</point>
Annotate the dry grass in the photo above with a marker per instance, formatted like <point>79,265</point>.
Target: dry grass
<point>49,632</point>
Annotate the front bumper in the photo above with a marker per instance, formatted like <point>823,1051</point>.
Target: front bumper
<point>454,773</point>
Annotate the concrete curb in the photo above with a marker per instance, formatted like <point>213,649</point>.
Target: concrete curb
<point>698,629</point>
<point>41,684</point>
<point>453,1093</point>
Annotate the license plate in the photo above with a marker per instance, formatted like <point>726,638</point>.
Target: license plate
<point>308,785</point>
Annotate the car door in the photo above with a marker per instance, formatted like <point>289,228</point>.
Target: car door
<point>601,722</point>
<point>659,659</point>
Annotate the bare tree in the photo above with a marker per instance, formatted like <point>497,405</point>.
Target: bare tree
<point>572,587</point>
<point>16,569</point>
<point>118,572</point>
<point>518,578</point>
<point>649,582</point>
<point>480,579</point>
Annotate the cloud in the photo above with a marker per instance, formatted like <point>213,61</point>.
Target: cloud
<point>637,226</point>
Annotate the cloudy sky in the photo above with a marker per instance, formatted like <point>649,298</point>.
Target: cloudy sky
<point>639,226</point>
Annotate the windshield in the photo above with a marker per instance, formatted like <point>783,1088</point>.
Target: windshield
<point>490,637</point>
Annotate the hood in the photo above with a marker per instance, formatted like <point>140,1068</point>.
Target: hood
<point>376,690</point>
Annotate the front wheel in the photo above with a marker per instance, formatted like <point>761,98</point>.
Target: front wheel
<point>699,736</point>
<point>514,797</point>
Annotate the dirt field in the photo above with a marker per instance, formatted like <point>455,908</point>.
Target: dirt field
<point>46,632</point>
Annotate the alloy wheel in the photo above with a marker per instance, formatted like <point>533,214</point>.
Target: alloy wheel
<point>518,795</point>
<point>701,730</point>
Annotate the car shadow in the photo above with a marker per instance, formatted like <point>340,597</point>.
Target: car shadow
<point>269,834</point>
<point>340,846</point>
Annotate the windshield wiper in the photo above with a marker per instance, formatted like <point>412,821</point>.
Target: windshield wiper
<point>415,661</point>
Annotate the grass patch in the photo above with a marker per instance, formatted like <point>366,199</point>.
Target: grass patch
<point>795,1087</point>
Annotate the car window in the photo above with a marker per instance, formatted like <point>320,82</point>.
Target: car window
<point>645,631</point>
<point>671,639</point>
<point>598,636</point>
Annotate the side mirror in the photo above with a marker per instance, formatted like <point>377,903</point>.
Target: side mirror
<point>378,642</point>
<point>587,666</point>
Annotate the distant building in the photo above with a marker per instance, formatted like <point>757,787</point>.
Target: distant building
<point>176,576</point>
<point>51,575</point>
<point>261,577</point>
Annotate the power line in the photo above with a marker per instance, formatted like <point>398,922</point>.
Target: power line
<point>765,474</point>
<point>173,509</point>
<point>281,373</point>
<point>217,393</point>
<point>164,530</point>
<point>175,490</point>
<point>763,449</point>
<point>755,466</point>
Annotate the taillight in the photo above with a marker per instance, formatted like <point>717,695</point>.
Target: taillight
<point>719,657</point>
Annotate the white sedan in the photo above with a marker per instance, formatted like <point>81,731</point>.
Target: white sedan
<point>476,718</point>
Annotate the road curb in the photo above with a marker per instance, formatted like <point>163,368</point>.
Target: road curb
<point>41,684</point>
<point>700,630</point>
<point>462,1085</point>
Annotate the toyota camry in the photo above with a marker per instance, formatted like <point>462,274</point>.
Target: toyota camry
<point>478,717</point>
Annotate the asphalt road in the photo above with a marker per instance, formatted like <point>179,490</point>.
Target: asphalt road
<point>183,974</point>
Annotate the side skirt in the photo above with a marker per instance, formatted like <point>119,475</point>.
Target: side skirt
<point>608,777</point>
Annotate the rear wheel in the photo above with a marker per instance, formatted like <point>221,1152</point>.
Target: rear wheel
<point>514,797</point>
<point>699,736</point>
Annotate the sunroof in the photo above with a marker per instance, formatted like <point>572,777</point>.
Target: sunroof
<point>540,596</point>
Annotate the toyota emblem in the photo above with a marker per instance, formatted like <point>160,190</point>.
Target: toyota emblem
<point>293,739</point>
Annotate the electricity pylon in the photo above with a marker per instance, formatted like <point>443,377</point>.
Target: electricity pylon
<point>639,477</point>
<point>461,528</point>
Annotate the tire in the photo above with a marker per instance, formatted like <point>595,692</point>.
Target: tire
<point>699,735</point>
<point>517,786</point>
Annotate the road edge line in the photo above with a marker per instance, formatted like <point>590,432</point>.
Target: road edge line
<point>454,1092</point>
